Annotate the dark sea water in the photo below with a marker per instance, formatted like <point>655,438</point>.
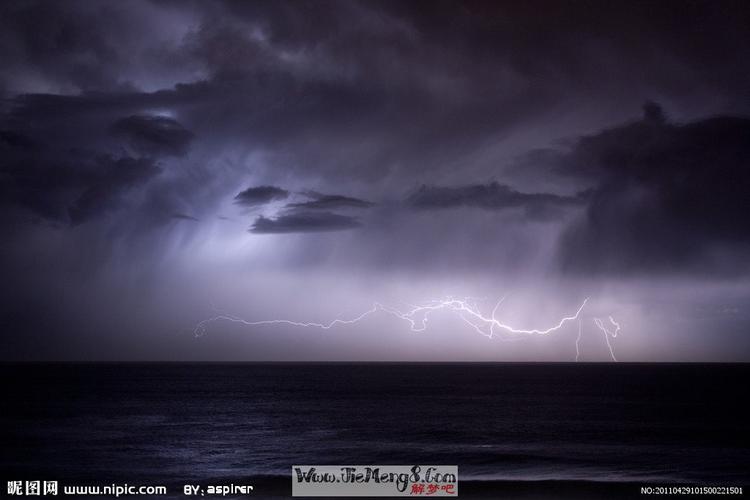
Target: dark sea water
<point>202,423</point>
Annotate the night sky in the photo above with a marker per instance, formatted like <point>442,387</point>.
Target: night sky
<point>161,161</point>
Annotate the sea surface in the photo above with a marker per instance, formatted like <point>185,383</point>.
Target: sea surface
<point>175,424</point>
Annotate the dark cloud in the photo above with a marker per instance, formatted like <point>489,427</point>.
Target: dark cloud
<point>490,196</point>
<point>185,217</point>
<point>66,185</point>
<point>329,202</point>
<point>671,197</point>
<point>155,135</point>
<point>89,46</point>
<point>124,117</point>
<point>260,195</point>
<point>103,186</point>
<point>304,222</point>
<point>62,162</point>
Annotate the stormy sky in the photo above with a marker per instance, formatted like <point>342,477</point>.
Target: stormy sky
<point>163,162</point>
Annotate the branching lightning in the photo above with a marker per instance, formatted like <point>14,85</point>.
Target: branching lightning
<point>608,333</point>
<point>417,316</point>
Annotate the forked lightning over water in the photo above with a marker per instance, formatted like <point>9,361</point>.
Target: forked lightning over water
<point>417,317</point>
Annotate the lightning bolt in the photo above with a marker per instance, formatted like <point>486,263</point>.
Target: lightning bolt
<point>608,333</point>
<point>418,315</point>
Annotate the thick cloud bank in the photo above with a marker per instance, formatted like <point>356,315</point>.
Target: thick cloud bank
<point>669,196</point>
<point>306,159</point>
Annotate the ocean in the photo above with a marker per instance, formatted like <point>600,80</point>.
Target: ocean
<point>514,428</point>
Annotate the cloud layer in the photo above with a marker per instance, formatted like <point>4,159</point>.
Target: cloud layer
<point>421,148</point>
<point>303,222</point>
<point>491,196</point>
<point>260,195</point>
<point>669,196</point>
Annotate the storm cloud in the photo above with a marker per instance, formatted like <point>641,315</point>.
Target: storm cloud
<point>321,201</point>
<point>304,222</point>
<point>65,185</point>
<point>260,195</point>
<point>490,196</point>
<point>670,196</point>
<point>156,135</point>
<point>418,148</point>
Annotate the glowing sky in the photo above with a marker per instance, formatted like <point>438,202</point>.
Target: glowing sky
<point>160,161</point>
